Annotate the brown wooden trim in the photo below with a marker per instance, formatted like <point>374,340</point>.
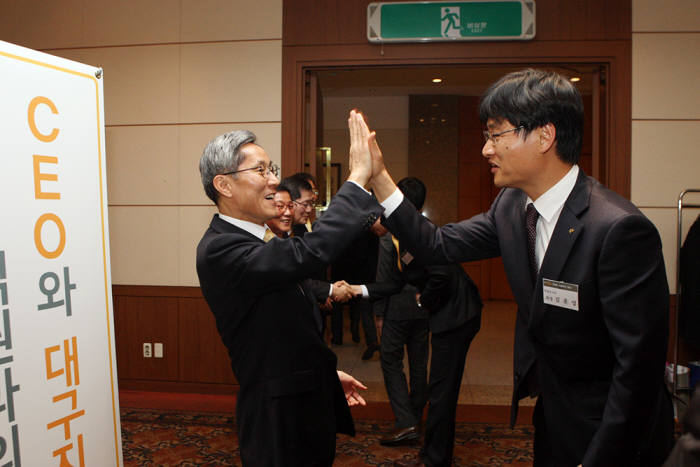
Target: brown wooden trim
<point>177,387</point>
<point>252,122</point>
<point>157,44</point>
<point>614,55</point>
<point>156,291</point>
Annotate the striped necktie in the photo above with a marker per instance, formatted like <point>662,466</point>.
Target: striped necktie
<point>531,216</point>
<point>269,235</point>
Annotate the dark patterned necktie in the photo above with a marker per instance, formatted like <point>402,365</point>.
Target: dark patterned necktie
<point>531,216</point>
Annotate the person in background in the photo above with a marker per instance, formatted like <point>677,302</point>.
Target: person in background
<point>453,307</point>
<point>304,200</point>
<point>291,399</point>
<point>281,226</point>
<point>311,180</point>
<point>357,264</point>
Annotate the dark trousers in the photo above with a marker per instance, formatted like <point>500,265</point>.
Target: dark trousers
<point>446,369</point>
<point>360,310</point>
<point>407,404</point>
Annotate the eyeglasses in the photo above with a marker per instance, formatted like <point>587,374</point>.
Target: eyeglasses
<point>305,204</point>
<point>281,207</point>
<point>261,169</point>
<point>492,136</point>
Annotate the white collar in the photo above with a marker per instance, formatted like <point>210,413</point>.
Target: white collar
<point>552,200</point>
<point>250,227</point>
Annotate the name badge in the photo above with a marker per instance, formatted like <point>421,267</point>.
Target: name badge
<point>560,294</point>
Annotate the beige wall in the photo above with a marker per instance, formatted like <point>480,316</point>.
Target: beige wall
<point>176,74</point>
<point>665,114</point>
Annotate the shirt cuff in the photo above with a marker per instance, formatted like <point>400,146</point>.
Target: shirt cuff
<point>363,188</point>
<point>365,292</point>
<point>330,290</point>
<point>392,202</point>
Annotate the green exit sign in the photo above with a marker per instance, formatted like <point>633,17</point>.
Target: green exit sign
<point>482,20</point>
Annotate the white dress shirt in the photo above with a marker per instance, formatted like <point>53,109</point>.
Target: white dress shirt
<point>549,207</point>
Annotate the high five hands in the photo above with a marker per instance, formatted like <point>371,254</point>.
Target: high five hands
<point>366,161</point>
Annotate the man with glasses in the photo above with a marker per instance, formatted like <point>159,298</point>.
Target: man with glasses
<point>304,199</point>
<point>585,267</point>
<point>281,225</point>
<point>291,400</point>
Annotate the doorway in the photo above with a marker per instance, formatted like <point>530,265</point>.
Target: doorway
<point>426,118</point>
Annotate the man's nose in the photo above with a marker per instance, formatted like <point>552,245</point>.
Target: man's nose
<point>487,150</point>
<point>272,180</point>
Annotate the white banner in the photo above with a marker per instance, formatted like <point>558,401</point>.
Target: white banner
<point>58,377</point>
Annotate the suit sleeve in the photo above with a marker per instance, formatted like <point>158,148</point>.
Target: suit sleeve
<point>437,289</point>
<point>468,240</point>
<point>259,267</point>
<point>320,289</point>
<point>634,302</point>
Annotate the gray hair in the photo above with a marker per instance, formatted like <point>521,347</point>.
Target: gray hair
<point>222,154</point>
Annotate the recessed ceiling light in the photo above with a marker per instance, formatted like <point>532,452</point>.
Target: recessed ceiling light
<point>437,80</point>
<point>575,79</point>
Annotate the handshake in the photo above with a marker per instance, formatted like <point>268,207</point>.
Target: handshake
<point>342,291</point>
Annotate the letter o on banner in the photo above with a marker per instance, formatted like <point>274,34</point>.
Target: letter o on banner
<point>31,111</point>
<point>38,227</point>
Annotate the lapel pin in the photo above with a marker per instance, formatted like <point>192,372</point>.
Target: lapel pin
<point>571,230</point>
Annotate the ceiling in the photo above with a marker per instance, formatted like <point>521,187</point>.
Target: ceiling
<point>410,80</point>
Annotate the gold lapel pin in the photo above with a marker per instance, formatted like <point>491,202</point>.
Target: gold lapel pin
<point>571,230</point>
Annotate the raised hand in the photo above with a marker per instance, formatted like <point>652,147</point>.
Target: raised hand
<point>380,181</point>
<point>360,156</point>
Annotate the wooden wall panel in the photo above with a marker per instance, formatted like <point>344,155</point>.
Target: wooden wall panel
<point>146,319</point>
<point>194,360</point>
<point>203,357</point>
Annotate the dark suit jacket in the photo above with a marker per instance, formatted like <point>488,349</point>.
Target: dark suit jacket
<point>358,263</point>
<point>600,369</point>
<point>689,314</point>
<point>290,402</point>
<point>447,292</point>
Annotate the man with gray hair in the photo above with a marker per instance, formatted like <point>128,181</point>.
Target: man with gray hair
<point>291,400</point>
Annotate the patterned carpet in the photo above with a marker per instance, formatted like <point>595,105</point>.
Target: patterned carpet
<point>167,438</point>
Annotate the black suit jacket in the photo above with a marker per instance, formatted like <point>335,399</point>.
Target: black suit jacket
<point>447,292</point>
<point>290,402</point>
<point>600,369</point>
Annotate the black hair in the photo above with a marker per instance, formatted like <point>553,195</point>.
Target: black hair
<point>305,176</point>
<point>414,190</point>
<point>533,98</point>
<point>294,185</point>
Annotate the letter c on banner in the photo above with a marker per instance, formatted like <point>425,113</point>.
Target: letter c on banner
<point>32,122</point>
<point>61,232</point>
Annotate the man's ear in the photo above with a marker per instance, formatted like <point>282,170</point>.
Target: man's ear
<point>223,185</point>
<point>548,136</point>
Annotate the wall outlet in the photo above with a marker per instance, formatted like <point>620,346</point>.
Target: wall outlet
<point>158,350</point>
<point>147,350</point>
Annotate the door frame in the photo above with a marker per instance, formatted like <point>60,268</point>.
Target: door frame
<point>614,55</point>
